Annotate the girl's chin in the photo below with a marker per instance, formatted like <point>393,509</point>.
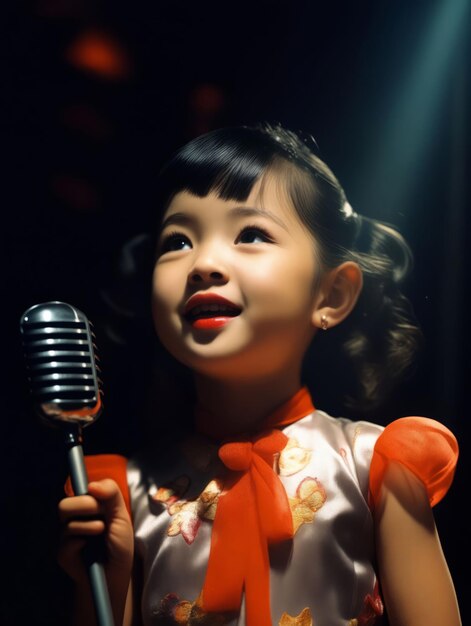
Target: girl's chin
<point>231,365</point>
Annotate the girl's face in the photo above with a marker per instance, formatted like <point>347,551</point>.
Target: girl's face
<point>234,285</point>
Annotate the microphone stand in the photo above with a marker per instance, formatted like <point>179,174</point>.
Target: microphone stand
<point>79,478</point>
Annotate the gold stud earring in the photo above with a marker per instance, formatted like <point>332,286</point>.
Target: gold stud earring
<point>324,322</point>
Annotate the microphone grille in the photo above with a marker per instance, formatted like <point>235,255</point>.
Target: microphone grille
<point>62,362</point>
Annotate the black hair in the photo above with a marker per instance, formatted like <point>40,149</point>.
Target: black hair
<point>381,336</point>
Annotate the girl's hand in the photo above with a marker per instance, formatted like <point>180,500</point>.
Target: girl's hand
<point>102,512</point>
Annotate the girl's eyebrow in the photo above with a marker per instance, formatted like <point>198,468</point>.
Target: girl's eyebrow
<point>178,218</point>
<point>249,211</point>
<point>186,219</point>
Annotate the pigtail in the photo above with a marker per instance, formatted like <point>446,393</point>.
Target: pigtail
<point>381,336</point>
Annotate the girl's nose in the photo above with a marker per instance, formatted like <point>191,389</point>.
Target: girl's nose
<point>208,269</point>
<point>201,276</point>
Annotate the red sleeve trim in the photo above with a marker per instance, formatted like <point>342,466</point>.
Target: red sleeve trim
<point>423,445</point>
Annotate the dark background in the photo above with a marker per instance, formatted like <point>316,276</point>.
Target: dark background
<point>96,94</point>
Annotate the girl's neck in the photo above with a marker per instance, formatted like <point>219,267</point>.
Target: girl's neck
<point>245,404</point>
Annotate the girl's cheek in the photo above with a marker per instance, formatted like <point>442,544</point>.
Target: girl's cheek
<point>167,296</point>
<point>160,283</point>
<point>159,304</point>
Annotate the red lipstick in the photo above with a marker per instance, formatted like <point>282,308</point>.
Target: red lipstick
<point>209,310</point>
<point>210,322</point>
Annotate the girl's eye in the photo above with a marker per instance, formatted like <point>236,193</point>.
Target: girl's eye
<point>254,234</point>
<point>175,241</point>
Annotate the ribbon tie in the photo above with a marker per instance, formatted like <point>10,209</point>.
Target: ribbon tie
<point>252,512</point>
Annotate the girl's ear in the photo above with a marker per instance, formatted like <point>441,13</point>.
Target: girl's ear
<point>338,294</point>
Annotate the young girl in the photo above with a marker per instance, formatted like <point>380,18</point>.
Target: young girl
<point>272,512</point>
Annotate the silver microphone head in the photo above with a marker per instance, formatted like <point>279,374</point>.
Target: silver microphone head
<point>60,355</point>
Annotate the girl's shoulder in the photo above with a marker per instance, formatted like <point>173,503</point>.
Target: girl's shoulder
<point>346,445</point>
<point>425,446</point>
<point>341,433</point>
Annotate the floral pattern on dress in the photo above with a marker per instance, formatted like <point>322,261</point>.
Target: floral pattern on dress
<point>372,608</point>
<point>188,514</point>
<point>293,458</point>
<point>172,491</point>
<point>173,611</point>
<point>310,497</point>
<point>303,619</point>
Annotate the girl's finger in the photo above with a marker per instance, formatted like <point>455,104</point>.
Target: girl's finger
<point>106,489</point>
<point>69,548</point>
<point>109,495</point>
<point>77,506</point>
<point>84,528</point>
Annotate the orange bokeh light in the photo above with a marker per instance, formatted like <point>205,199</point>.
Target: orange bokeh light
<point>101,54</point>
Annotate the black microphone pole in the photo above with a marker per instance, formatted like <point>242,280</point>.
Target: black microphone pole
<point>59,348</point>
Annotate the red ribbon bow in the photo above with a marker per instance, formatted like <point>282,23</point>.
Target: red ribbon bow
<point>252,512</point>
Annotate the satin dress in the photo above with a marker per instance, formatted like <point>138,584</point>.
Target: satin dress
<point>327,472</point>
<point>325,575</point>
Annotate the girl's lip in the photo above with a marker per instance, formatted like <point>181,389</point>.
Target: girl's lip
<point>200,314</point>
<point>202,299</point>
<point>206,323</point>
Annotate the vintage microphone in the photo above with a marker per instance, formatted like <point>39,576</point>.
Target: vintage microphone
<point>60,356</point>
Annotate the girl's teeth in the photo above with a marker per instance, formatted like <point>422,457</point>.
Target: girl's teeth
<point>212,310</point>
<point>208,307</point>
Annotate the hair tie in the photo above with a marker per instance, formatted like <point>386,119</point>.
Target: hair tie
<point>353,218</point>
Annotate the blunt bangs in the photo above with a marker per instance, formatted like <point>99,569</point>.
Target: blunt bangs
<point>227,161</point>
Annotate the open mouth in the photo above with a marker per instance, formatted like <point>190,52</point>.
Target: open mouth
<point>210,311</point>
<point>205,311</point>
